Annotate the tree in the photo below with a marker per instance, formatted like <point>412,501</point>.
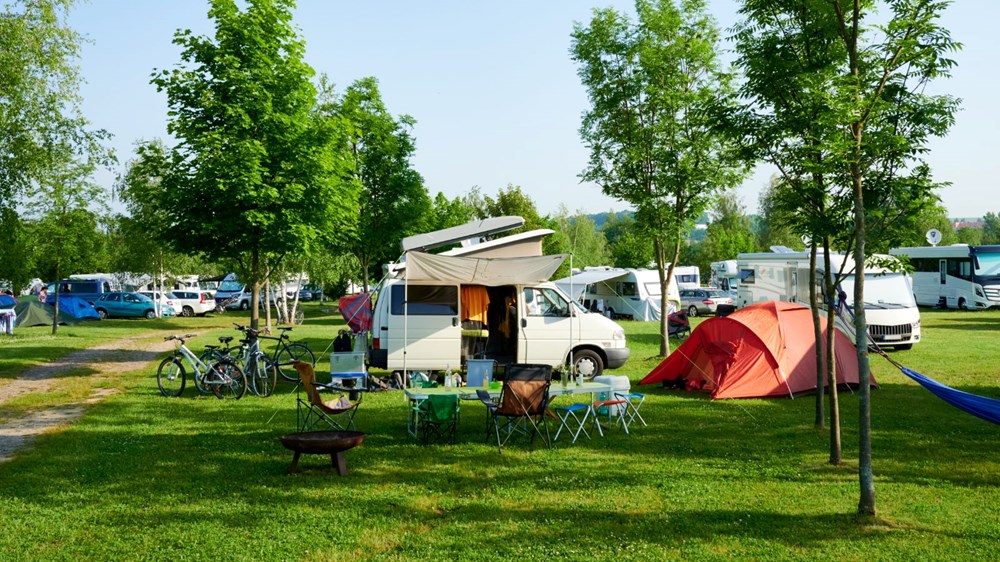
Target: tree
<point>258,171</point>
<point>971,235</point>
<point>586,244</point>
<point>393,203</point>
<point>447,213</point>
<point>880,73</point>
<point>653,141</point>
<point>729,233</point>
<point>991,228</point>
<point>774,227</point>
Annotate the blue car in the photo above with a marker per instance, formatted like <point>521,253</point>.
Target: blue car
<point>123,304</point>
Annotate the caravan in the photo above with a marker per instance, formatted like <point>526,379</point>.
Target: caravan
<point>435,312</point>
<point>631,294</point>
<point>892,314</point>
<point>725,276</point>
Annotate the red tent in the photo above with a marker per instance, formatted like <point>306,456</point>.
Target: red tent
<point>765,349</point>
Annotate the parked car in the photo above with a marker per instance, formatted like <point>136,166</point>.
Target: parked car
<point>166,301</point>
<point>120,303</point>
<point>189,303</point>
<point>703,301</point>
<point>310,292</point>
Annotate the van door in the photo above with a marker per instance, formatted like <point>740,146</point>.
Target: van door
<point>433,335</point>
<point>546,327</point>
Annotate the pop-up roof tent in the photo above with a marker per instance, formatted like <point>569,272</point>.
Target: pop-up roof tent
<point>765,349</point>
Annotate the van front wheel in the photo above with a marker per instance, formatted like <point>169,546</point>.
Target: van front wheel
<point>588,363</point>
<point>244,305</point>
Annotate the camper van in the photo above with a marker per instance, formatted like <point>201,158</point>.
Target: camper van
<point>627,294</point>
<point>725,276</point>
<point>234,291</point>
<point>892,314</point>
<point>435,312</point>
<point>687,277</point>
<point>956,276</point>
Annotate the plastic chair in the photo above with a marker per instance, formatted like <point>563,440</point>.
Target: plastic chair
<point>437,418</point>
<point>523,404</point>
<point>337,414</point>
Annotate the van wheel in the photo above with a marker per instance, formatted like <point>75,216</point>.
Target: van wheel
<point>588,363</point>
<point>962,305</point>
<point>244,305</point>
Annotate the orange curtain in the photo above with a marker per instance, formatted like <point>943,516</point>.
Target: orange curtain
<point>475,301</point>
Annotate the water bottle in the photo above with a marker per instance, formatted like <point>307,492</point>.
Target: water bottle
<point>447,377</point>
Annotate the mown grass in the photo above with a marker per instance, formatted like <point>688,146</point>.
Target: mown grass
<point>146,477</point>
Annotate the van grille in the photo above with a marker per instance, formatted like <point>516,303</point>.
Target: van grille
<point>879,332</point>
<point>992,293</point>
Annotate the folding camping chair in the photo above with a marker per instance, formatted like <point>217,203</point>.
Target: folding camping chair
<point>523,403</point>
<point>337,414</point>
<point>437,418</point>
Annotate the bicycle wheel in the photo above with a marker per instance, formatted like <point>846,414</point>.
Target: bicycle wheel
<point>170,376</point>
<point>226,380</point>
<point>299,317</point>
<point>265,376</point>
<point>208,357</point>
<point>293,352</point>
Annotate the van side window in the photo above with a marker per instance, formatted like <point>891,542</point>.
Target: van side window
<point>426,300</point>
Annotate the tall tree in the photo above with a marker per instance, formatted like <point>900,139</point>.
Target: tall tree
<point>257,171</point>
<point>881,71</point>
<point>728,234</point>
<point>586,244</point>
<point>393,202</point>
<point>991,228</point>
<point>653,143</point>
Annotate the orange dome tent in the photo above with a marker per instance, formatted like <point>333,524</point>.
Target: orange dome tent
<point>765,349</point>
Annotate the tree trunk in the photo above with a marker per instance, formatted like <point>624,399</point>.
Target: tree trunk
<point>55,305</point>
<point>255,291</point>
<point>866,504</point>
<point>818,336</point>
<point>836,450</point>
<point>665,274</point>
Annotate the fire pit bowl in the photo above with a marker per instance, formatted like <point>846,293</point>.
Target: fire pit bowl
<point>332,443</point>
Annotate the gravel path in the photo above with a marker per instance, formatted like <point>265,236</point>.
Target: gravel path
<point>124,355</point>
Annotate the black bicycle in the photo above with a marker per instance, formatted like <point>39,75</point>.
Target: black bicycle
<point>286,352</point>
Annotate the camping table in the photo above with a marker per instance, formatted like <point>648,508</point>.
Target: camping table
<point>469,393</point>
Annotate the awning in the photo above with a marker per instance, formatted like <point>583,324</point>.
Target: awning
<point>584,278</point>
<point>491,272</point>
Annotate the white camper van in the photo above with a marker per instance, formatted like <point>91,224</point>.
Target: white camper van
<point>233,291</point>
<point>725,276</point>
<point>632,294</point>
<point>434,312</point>
<point>892,314</point>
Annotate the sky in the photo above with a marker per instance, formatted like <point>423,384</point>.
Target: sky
<point>492,88</point>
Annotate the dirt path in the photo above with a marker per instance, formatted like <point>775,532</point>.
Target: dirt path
<point>124,355</point>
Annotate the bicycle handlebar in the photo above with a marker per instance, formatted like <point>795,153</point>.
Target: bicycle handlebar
<point>182,338</point>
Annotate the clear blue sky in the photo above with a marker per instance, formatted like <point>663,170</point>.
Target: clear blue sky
<point>491,85</point>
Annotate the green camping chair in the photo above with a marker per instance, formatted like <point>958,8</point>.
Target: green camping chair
<point>437,418</point>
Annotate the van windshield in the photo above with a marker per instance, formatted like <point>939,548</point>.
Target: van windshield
<point>231,286</point>
<point>889,288</point>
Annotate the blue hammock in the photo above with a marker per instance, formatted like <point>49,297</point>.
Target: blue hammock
<point>979,406</point>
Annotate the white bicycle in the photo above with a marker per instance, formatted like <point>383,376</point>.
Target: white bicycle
<point>211,373</point>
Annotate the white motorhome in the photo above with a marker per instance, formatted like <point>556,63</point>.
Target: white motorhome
<point>469,306</point>
<point>620,293</point>
<point>235,292</point>
<point>687,277</point>
<point>725,276</point>
<point>956,276</point>
<point>892,314</point>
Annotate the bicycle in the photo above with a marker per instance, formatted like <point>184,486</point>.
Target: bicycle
<point>286,352</point>
<point>223,377</point>
<point>259,368</point>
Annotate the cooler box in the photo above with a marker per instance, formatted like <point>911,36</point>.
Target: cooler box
<point>347,370</point>
<point>478,372</point>
<point>620,384</point>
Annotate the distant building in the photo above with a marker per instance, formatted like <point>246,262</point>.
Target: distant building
<point>967,223</point>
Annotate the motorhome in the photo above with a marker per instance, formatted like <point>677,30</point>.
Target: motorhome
<point>619,293</point>
<point>892,314</point>
<point>956,276</point>
<point>434,312</point>
<point>725,276</point>
<point>687,277</point>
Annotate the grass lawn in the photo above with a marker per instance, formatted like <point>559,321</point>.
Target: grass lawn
<point>143,477</point>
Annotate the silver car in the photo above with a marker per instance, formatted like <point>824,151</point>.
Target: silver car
<point>703,301</point>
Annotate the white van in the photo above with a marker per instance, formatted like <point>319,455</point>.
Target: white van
<point>235,292</point>
<point>512,321</point>
<point>435,312</point>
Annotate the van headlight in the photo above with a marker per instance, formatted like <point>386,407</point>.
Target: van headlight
<point>618,335</point>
